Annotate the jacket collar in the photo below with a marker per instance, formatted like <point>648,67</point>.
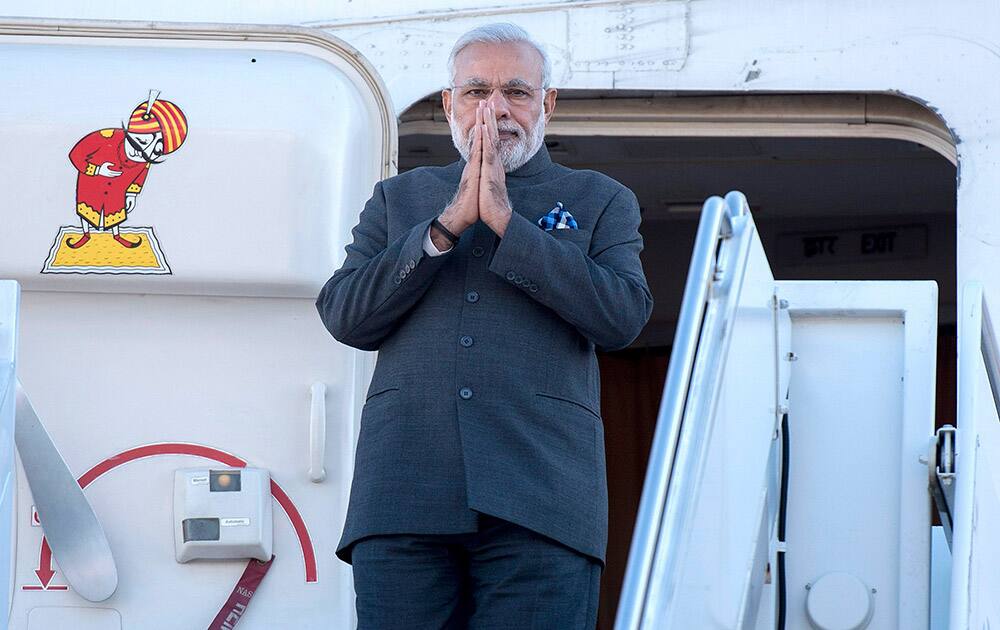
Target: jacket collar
<point>538,163</point>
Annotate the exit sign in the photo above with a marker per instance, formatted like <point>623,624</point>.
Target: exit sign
<point>853,246</point>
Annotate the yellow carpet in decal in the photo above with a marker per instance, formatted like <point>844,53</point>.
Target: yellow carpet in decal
<point>104,251</point>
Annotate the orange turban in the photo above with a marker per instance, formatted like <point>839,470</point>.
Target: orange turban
<point>165,117</point>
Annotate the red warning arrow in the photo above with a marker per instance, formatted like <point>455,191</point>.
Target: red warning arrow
<point>44,570</point>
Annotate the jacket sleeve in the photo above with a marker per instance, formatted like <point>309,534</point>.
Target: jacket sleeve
<point>379,282</point>
<point>602,293</point>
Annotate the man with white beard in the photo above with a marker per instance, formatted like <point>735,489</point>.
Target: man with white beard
<point>479,497</point>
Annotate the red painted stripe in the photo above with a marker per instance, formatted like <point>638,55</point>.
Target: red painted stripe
<point>197,450</point>
<point>171,124</point>
<point>181,118</point>
<point>159,449</point>
<point>300,529</point>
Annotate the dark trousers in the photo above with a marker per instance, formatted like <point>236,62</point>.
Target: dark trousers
<point>502,577</point>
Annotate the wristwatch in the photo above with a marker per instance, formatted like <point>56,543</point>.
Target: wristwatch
<point>451,237</point>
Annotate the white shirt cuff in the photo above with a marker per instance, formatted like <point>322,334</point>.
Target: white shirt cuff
<point>430,247</point>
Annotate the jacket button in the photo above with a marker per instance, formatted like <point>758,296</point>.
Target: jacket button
<point>412,264</point>
<point>477,251</point>
<point>533,288</point>
<point>519,279</point>
<point>465,393</point>
<point>511,275</point>
<point>472,296</point>
<point>397,279</point>
<point>466,341</point>
<point>402,273</point>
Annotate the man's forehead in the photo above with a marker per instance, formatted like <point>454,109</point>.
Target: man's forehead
<point>484,82</point>
<point>519,64</point>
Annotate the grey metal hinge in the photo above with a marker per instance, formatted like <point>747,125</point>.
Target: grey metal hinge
<point>941,475</point>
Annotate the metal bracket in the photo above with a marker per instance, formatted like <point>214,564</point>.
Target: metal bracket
<point>941,476</point>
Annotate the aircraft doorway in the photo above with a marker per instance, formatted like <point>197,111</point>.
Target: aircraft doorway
<point>845,187</point>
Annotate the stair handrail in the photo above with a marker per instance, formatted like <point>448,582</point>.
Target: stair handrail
<point>991,352</point>
<point>975,333</point>
<point>715,225</point>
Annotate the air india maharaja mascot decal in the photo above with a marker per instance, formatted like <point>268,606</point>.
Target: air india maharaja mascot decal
<point>112,166</point>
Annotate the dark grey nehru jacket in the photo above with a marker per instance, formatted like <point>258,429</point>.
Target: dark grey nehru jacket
<point>486,392</point>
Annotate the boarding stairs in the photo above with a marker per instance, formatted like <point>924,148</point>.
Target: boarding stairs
<point>795,460</point>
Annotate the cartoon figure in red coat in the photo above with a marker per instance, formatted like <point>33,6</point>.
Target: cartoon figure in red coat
<point>113,164</point>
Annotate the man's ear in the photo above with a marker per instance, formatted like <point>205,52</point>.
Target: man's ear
<point>549,103</point>
<point>446,103</point>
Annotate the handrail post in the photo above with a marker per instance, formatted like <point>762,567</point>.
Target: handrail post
<point>991,355</point>
<point>715,223</point>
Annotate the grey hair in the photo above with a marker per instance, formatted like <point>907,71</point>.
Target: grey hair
<point>497,33</point>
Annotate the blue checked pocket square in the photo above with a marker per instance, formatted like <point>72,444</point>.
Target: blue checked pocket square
<point>558,218</point>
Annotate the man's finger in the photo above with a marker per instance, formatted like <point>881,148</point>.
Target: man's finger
<point>476,159</point>
<point>470,165</point>
<point>477,142</point>
<point>475,129</point>
<point>489,148</point>
<point>478,152</point>
<point>494,131</point>
<point>470,172</point>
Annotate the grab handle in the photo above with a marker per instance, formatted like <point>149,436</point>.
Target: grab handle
<point>317,433</point>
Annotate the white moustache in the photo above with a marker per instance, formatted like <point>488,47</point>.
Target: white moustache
<point>514,151</point>
<point>511,127</point>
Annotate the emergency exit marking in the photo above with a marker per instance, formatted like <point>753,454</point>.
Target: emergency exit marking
<point>878,242</point>
<point>851,246</point>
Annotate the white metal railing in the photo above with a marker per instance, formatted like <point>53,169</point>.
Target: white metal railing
<point>975,587</point>
<point>690,392</point>
<point>9,300</point>
<point>990,352</point>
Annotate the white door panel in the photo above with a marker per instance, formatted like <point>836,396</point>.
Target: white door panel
<point>202,345</point>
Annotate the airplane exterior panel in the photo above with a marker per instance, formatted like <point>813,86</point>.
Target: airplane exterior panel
<point>181,203</point>
<point>193,338</point>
